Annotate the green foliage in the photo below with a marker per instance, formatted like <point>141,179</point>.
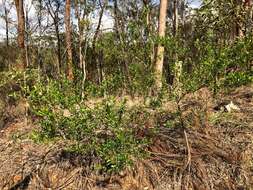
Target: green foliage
<point>142,79</point>
<point>216,55</point>
<point>17,84</point>
<point>221,67</point>
<point>103,129</point>
<point>237,79</point>
<point>61,93</point>
<point>112,85</point>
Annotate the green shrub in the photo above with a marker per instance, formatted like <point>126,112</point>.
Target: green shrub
<point>221,67</point>
<point>237,79</point>
<point>104,130</point>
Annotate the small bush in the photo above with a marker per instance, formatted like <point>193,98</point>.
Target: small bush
<point>103,130</point>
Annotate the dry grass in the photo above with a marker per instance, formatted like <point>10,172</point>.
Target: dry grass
<point>213,151</point>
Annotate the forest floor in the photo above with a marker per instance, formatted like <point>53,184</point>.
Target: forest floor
<point>211,153</point>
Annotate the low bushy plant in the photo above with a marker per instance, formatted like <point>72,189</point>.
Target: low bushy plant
<point>104,129</point>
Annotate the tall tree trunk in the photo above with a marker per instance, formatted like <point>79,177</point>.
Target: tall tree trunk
<point>6,25</point>
<point>99,24</point>
<point>21,33</point>
<point>27,36</point>
<point>39,16</point>
<point>116,19</point>
<point>148,57</point>
<point>175,25</point>
<point>68,40</point>
<point>80,30</point>
<point>57,32</point>
<point>175,19</point>
<point>95,53</point>
<point>178,64</point>
<point>82,63</point>
<point>80,17</point>
<point>160,48</point>
<point>6,19</point>
<point>147,20</point>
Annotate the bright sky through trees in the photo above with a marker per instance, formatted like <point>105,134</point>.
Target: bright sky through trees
<point>107,20</point>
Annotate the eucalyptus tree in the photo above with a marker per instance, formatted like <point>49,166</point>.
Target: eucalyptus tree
<point>68,32</point>
<point>55,9</point>
<point>21,33</point>
<point>83,8</point>
<point>98,62</point>
<point>160,48</point>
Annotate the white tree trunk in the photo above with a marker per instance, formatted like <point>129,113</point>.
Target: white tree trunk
<point>160,48</point>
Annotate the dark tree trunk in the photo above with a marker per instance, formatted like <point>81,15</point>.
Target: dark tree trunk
<point>95,53</point>
<point>58,47</point>
<point>68,40</point>
<point>40,64</point>
<point>27,37</point>
<point>21,32</point>
<point>6,26</point>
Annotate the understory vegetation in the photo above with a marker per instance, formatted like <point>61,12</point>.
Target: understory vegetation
<point>96,118</point>
<point>160,100</point>
<point>109,135</point>
<point>97,122</point>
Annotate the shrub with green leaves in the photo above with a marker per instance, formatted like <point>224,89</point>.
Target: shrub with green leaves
<point>221,67</point>
<point>104,130</point>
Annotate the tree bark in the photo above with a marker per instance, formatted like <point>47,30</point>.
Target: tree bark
<point>148,56</point>
<point>27,36</point>
<point>99,24</point>
<point>80,17</point>
<point>21,33</point>
<point>95,53</point>
<point>68,40</point>
<point>160,48</point>
<point>6,20</point>
<point>175,20</point>
<point>6,25</point>
<point>147,7</point>
<point>56,25</point>
<point>39,16</point>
